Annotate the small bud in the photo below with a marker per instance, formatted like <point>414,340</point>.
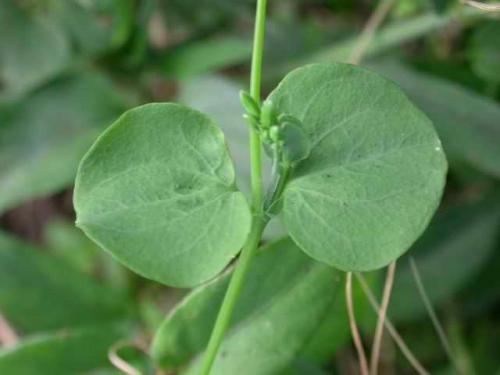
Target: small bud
<point>249,104</point>
<point>267,115</point>
<point>274,133</point>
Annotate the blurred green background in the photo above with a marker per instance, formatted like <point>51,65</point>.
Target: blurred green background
<point>68,68</point>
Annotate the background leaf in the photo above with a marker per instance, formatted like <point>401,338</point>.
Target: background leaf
<point>206,56</point>
<point>485,51</point>
<point>465,121</point>
<point>43,138</point>
<point>32,49</point>
<point>285,297</point>
<point>62,353</point>
<point>460,240</point>
<point>41,293</point>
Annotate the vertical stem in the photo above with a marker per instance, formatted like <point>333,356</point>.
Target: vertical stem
<point>417,366</point>
<point>259,221</point>
<point>379,331</point>
<point>356,55</point>
<point>358,343</point>
<point>232,294</point>
<point>255,86</point>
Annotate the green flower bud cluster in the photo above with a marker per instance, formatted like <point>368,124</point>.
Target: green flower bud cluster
<point>283,135</point>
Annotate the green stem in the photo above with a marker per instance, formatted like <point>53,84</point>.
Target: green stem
<point>255,85</point>
<point>259,221</point>
<point>232,294</point>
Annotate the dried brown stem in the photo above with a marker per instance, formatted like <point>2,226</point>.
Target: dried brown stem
<point>119,362</point>
<point>8,336</point>
<point>487,7</point>
<point>356,337</point>
<point>369,30</point>
<point>379,331</point>
<point>391,329</point>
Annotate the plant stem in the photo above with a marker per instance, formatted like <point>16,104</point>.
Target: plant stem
<point>8,337</point>
<point>417,366</point>
<point>357,53</point>
<point>369,30</point>
<point>358,343</point>
<point>232,294</point>
<point>255,86</point>
<point>382,316</point>
<point>259,221</point>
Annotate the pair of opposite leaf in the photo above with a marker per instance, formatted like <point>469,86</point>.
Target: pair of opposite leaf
<point>157,189</point>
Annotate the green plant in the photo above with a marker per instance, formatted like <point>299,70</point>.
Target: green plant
<point>358,172</point>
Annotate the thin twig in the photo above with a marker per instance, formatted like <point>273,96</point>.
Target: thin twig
<point>379,331</point>
<point>369,29</point>
<point>119,362</point>
<point>8,336</point>
<point>432,314</point>
<point>356,337</point>
<point>391,329</point>
<point>487,7</point>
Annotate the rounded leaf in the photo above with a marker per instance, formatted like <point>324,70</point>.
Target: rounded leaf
<point>296,145</point>
<point>375,173</point>
<point>157,191</point>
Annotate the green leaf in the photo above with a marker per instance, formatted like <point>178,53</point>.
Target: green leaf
<point>296,144</point>
<point>461,240</point>
<point>64,241</point>
<point>92,27</point>
<point>375,173</point>
<point>284,299</point>
<point>39,292</point>
<point>205,56</point>
<point>442,6</point>
<point>44,137</point>
<point>157,191</point>
<point>334,332</point>
<point>483,290</point>
<point>485,51</point>
<point>32,49</point>
<point>227,111</point>
<point>61,353</point>
<point>466,122</point>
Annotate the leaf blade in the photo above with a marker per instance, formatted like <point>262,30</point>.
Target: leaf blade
<point>376,171</point>
<point>282,282</point>
<point>161,176</point>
